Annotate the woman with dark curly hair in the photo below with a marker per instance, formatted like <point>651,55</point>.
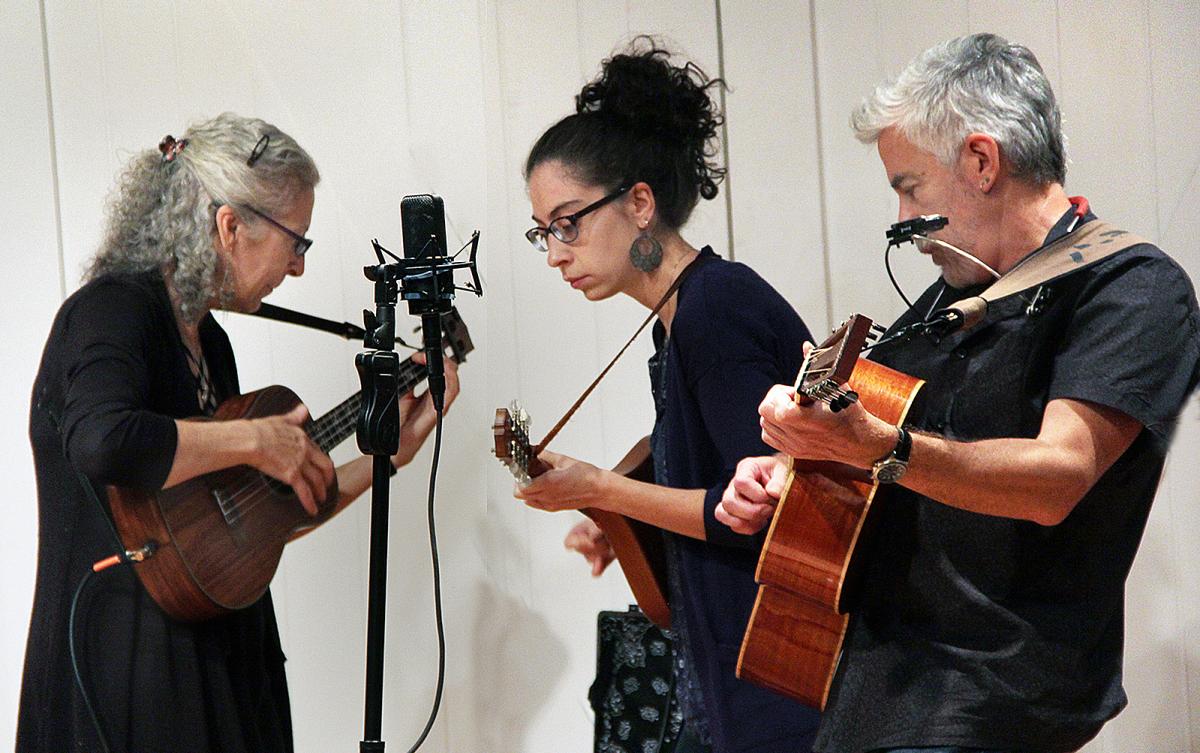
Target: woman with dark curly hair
<point>216,219</point>
<point>611,186</point>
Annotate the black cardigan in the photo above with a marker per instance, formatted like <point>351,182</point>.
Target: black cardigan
<point>112,380</point>
<point>732,337</point>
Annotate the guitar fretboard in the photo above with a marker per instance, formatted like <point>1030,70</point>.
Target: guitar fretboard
<point>336,425</point>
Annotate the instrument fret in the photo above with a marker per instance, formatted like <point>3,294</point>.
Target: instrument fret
<point>341,421</point>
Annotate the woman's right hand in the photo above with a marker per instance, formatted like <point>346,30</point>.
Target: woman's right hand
<point>587,539</point>
<point>284,451</point>
<point>749,501</point>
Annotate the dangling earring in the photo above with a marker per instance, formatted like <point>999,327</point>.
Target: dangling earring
<point>646,252</point>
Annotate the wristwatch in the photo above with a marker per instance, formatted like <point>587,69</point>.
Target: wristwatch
<point>891,467</point>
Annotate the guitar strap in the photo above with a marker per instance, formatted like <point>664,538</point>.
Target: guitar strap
<point>1090,243</point>
<point>653,312</point>
<point>280,314</point>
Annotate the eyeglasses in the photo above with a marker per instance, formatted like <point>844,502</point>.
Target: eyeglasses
<point>302,243</point>
<point>566,228</point>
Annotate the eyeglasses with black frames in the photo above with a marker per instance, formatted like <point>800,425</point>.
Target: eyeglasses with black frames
<point>566,228</point>
<point>302,243</point>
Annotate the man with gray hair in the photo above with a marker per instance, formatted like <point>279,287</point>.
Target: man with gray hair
<point>992,612</point>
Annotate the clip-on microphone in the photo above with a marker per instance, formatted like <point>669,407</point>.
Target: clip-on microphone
<point>906,230</point>
<point>962,314</point>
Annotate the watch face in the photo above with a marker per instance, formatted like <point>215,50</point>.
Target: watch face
<point>889,471</point>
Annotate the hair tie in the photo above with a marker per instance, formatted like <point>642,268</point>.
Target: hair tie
<point>258,149</point>
<point>171,148</point>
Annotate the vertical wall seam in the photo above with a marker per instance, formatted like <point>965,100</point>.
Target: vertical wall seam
<point>1153,128</point>
<point>53,139</point>
<point>724,133</point>
<point>599,354</point>
<point>179,71</point>
<point>822,188</point>
<point>526,521</point>
<point>1062,81</point>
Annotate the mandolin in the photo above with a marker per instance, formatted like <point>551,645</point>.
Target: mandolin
<point>638,546</point>
<point>215,540</point>
<point>810,564</point>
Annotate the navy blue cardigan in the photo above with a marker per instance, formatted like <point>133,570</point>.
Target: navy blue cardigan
<point>732,337</point>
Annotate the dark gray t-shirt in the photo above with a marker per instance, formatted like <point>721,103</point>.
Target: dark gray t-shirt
<point>983,631</point>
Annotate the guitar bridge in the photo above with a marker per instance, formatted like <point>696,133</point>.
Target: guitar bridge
<point>226,505</point>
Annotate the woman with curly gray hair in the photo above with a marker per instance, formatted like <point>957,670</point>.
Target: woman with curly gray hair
<point>216,219</point>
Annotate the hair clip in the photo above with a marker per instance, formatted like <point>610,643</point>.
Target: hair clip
<point>259,149</point>
<point>171,148</point>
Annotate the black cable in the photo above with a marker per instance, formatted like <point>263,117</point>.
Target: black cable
<point>87,701</point>
<point>887,264</point>
<point>437,590</point>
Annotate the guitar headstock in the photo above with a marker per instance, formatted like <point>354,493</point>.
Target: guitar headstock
<point>510,435</point>
<point>828,366</point>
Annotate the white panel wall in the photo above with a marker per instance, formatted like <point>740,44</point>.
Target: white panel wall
<point>405,97</point>
<point>775,171</point>
<point>809,208</point>
<point>387,98</point>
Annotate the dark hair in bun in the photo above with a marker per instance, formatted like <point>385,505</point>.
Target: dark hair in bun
<point>642,119</point>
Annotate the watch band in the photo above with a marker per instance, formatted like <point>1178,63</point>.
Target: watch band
<point>903,446</point>
<point>891,467</point>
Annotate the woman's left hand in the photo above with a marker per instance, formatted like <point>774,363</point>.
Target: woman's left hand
<point>569,484</point>
<point>417,416</point>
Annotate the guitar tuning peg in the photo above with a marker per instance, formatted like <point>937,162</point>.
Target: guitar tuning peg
<point>843,401</point>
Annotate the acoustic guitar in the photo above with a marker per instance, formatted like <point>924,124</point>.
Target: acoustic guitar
<point>810,564</point>
<point>215,540</point>
<point>637,545</point>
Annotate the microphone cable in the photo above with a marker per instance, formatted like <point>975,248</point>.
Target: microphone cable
<point>122,558</point>
<point>887,264</point>
<point>887,261</point>
<point>87,700</point>
<point>437,589</point>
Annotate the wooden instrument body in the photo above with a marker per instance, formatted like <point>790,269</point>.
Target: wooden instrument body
<point>809,564</point>
<point>638,546</point>
<point>218,536</point>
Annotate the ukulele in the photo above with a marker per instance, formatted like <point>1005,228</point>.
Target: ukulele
<point>637,545</point>
<point>810,565</point>
<point>213,543</point>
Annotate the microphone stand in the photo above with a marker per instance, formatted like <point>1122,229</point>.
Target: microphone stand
<point>378,435</point>
<point>378,428</point>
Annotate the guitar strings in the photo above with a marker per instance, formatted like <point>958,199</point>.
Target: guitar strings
<point>257,487</point>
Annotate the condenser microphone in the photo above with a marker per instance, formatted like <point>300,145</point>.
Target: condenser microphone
<point>428,281</point>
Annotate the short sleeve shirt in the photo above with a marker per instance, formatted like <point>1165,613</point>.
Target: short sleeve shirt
<point>982,631</point>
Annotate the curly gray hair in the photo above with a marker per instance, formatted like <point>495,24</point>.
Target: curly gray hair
<point>975,84</point>
<point>161,215</point>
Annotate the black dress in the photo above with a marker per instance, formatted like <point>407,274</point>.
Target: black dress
<point>113,377</point>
